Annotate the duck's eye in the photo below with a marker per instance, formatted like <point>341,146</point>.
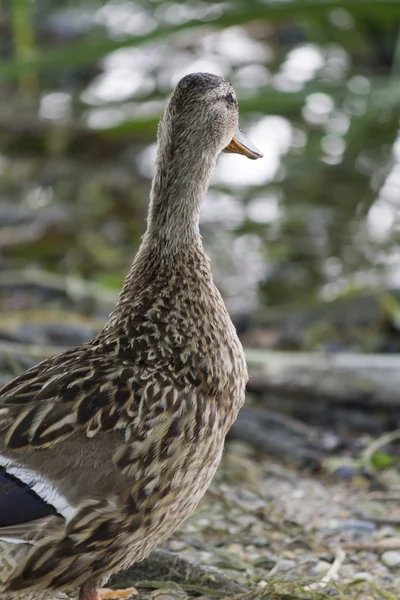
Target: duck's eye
<point>230,98</point>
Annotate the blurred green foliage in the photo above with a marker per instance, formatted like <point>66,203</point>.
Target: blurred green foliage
<point>82,86</point>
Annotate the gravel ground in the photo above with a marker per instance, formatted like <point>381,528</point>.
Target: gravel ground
<point>279,533</point>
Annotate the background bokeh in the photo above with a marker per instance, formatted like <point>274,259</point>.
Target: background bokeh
<point>305,246</point>
<point>82,86</point>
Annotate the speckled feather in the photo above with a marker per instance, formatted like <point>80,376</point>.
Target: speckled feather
<point>130,427</point>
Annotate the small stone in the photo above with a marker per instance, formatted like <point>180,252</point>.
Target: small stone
<point>320,568</point>
<point>298,493</point>
<point>236,549</point>
<point>391,558</point>
<point>282,566</point>
<point>358,525</point>
<point>363,575</point>
<point>176,545</point>
<point>344,472</point>
<point>260,540</point>
<point>332,592</point>
<point>388,532</point>
<point>265,562</point>
<point>262,584</point>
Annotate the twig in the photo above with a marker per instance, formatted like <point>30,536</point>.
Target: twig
<point>379,520</point>
<point>379,547</point>
<point>370,450</point>
<point>367,548</point>
<point>332,573</point>
<point>384,497</point>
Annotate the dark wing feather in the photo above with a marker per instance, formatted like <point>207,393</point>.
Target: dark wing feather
<point>19,503</point>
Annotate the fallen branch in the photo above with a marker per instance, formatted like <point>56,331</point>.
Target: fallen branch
<point>163,566</point>
<point>365,379</point>
<point>279,437</point>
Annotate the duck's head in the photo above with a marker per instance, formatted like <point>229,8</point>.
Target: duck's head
<point>202,117</point>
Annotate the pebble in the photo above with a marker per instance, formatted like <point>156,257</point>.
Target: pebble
<point>352,524</point>
<point>363,575</point>
<point>265,562</point>
<point>203,522</point>
<point>299,493</point>
<point>176,545</point>
<point>282,566</point>
<point>320,568</point>
<point>391,558</point>
<point>262,584</point>
<point>344,472</point>
<point>237,550</point>
<point>260,540</point>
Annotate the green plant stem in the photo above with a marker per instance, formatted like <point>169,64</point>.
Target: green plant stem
<point>24,44</point>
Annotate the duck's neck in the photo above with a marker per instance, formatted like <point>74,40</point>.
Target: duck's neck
<point>172,244</point>
<point>181,179</point>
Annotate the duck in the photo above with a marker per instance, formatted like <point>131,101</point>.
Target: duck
<point>107,447</point>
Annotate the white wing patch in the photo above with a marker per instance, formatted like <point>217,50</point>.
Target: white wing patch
<point>40,485</point>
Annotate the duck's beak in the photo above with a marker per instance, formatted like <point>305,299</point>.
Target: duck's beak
<point>239,144</point>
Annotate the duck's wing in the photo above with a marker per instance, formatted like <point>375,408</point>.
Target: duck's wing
<point>44,406</point>
<point>84,394</point>
<point>50,402</point>
<point>88,395</point>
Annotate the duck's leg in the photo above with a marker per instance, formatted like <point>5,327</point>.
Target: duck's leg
<point>89,591</point>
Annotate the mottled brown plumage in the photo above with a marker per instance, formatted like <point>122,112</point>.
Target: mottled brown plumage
<point>119,438</point>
